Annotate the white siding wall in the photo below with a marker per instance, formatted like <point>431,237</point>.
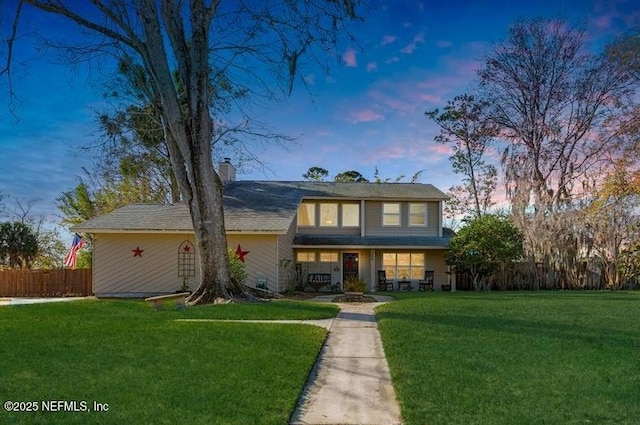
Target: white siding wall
<point>262,259</point>
<point>116,272</point>
<point>285,253</point>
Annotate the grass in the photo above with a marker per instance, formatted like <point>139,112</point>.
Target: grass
<point>515,358</point>
<point>150,368</point>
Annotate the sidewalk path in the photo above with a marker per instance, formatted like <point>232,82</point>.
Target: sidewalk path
<point>351,382</point>
<point>23,301</point>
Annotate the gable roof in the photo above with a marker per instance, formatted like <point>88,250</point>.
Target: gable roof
<point>254,206</point>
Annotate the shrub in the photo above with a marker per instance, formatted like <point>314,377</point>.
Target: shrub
<point>354,284</point>
<point>238,271</point>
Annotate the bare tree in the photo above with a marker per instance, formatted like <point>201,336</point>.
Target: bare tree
<point>464,124</point>
<point>195,42</point>
<point>557,109</point>
<point>550,100</point>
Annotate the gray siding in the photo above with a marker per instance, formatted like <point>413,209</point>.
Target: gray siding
<point>374,227</point>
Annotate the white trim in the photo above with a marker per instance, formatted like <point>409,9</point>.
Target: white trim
<point>399,204</point>
<point>440,219</point>
<point>362,217</point>
<point>343,247</point>
<point>426,214</point>
<point>176,232</point>
<point>341,214</point>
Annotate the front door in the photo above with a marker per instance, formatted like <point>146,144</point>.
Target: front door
<point>349,265</point>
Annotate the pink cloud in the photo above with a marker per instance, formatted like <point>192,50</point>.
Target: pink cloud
<point>388,39</point>
<point>440,149</point>
<point>411,47</point>
<point>349,58</point>
<point>430,98</point>
<point>372,66</point>
<point>365,115</point>
<point>421,150</point>
<point>603,21</point>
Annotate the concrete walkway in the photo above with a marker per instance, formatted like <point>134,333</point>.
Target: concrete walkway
<point>351,382</point>
<point>23,301</point>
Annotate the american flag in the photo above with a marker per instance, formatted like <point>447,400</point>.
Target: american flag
<point>72,256</point>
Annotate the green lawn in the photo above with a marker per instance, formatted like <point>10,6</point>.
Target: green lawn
<point>515,358</point>
<point>150,368</point>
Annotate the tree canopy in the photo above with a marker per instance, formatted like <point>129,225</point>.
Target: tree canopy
<point>484,246</point>
<point>188,51</point>
<point>18,245</point>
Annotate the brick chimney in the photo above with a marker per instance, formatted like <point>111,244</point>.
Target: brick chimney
<point>227,171</point>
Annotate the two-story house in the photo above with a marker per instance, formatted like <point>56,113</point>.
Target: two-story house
<point>283,231</point>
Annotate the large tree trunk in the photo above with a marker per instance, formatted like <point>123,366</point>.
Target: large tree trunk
<point>172,39</point>
<point>206,207</point>
<point>188,131</point>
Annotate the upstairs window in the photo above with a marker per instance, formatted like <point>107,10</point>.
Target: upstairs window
<point>418,214</point>
<point>391,214</point>
<point>328,215</point>
<point>350,215</point>
<point>307,214</point>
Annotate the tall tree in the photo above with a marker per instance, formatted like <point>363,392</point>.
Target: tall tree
<point>624,52</point>
<point>549,100</point>
<point>25,223</point>
<point>351,176</point>
<point>557,108</point>
<point>316,174</point>
<point>464,124</point>
<point>202,40</point>
<point>18,244</point>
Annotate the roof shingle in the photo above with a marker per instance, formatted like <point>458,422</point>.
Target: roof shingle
<point>254,206</point>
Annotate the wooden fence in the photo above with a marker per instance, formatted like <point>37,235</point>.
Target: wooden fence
<point>45,283</point>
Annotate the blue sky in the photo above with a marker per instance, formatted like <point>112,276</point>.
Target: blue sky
<point>411,56</point>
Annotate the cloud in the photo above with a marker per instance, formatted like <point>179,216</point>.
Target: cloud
<point>443,44</point>
<point>388,39</point>
<point>372,66</point>
<point>603,21</point>
<point>411,47</point>
<point>430,98</point>
<point>364,115</point>
<point>411,149</point>
<point>440,149</point>
<point>392,59</point>
<point>349,58</point>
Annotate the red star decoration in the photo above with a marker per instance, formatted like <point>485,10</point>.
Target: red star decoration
<point>137,252</point>
<point>186,248</point>
<point>240,253</point>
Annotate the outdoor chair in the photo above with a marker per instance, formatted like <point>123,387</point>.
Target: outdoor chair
<point>426,284</point>
<point>384,284</point>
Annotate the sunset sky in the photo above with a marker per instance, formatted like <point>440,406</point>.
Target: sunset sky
<point>410,57</point>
